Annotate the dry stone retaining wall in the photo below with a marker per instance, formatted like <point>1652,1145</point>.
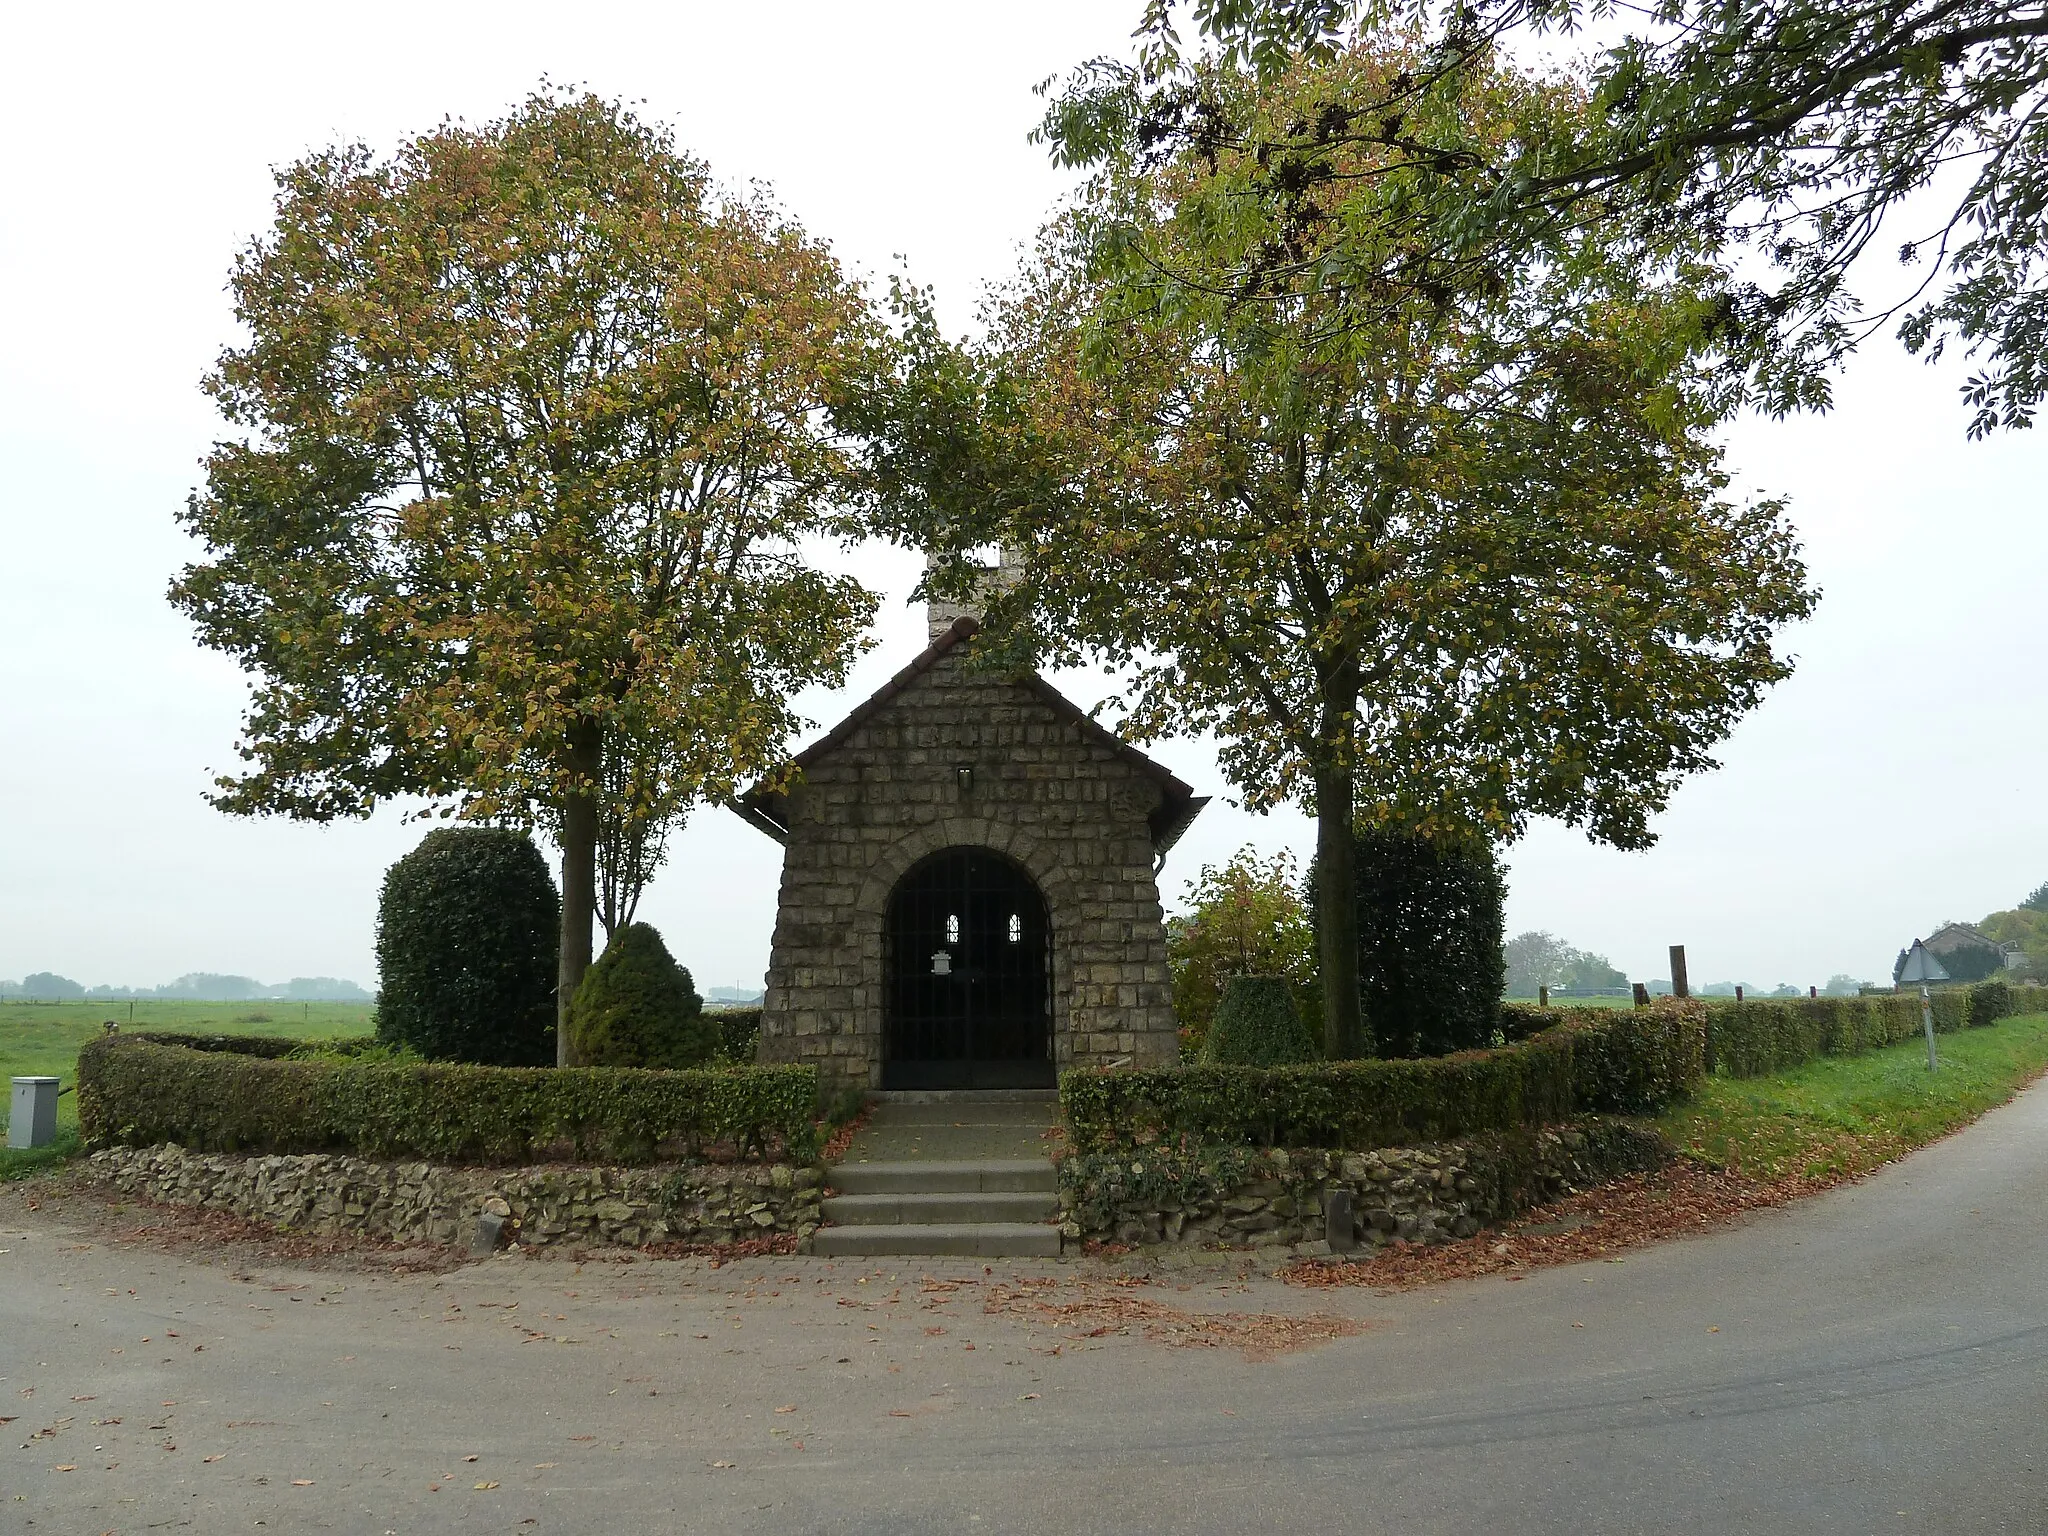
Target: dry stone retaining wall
<point>1421,1194</point>
<point>425,1202</point>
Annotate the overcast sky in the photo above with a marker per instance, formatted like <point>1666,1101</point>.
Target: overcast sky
<point>1883,789</point>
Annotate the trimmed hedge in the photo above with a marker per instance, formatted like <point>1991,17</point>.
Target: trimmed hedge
<point>1761,1035</point>
<point>739,1031</point>
<point>239,1094</point>
<point>1590,1061</point>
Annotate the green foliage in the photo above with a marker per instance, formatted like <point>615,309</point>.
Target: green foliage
<point>1839,1116</point>
<point>1257,1025</point>
<point>1588,1061</point>
<point>739,1033</point>
<point>20,1162</point>
<point>243,1094</point>
<point>1990,1002</point>
<point>637,1008</point>
<point>1817,118</point>
<point>468,926</point>
<point>1246,916</point>
<point>1430,964</point>
<point>1756,1037</point>
<point>2037,900</point>
<point>1448,544</point>
<point>2025,926</point>
<point>1163,1177</point>
<point>1971,962</point>
<point>533,426</point>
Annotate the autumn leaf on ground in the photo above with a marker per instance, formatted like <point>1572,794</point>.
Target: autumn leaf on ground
<point>485,1487</point>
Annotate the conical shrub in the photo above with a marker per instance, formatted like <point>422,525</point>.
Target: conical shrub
<point>637,1008</point>
<point>1257,1025</point>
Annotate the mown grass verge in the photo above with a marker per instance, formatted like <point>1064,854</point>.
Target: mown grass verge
<point>20,1162</point>
<point>1840,1116</point>
<point>1749,1143</point>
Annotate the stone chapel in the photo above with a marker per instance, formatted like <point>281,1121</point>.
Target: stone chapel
<point>970,891</point>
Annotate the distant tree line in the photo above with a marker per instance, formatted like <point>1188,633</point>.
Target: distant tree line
<point>194,986</point>
<point>1544,960</point>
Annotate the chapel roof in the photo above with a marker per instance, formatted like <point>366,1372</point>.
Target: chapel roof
<point>1178,806</point>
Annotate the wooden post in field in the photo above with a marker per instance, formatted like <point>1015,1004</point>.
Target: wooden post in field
<point>1738,992</point>
<point>1679,985</point>
<point>1542,995</point>
<point>1642,995</point>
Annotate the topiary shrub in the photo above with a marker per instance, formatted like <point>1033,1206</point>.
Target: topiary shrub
<point>468,929</point>
<point>637,1008</point>
<point>1257,1025</point>
<point>1431,964</point>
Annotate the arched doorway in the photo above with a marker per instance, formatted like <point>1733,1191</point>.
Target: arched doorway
<point>967,959</point>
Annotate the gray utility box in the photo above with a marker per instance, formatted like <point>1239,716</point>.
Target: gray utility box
<point>32,1116</point>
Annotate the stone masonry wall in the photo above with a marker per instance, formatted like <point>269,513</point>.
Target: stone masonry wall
<point>1067,807</point>
<point>1421,1194</point>
<point>424,1202</point>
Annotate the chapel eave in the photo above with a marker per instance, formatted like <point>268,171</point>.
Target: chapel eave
<point>766,808</point>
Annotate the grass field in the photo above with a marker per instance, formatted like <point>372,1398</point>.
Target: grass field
<point>1844,1115</point>
<point>42,1040</point>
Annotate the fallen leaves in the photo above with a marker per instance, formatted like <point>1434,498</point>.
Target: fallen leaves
<point>1096,1310</point>
<point>1682,1199</point>
<point>485,1487</point>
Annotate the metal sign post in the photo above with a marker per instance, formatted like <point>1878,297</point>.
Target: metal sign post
<point>1922,967</point>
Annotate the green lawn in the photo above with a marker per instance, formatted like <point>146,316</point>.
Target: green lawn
<point>42,1040</point>
<point>1844,1115</point>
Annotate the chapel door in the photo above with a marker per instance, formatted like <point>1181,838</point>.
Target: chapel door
<point>967,959</point>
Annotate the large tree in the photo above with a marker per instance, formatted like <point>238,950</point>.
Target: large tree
<point>1806,131</point>
<point>534,423</point>
<point>1443,544</point>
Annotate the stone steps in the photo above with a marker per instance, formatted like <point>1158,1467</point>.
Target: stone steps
<point>945,1174</point>
<point>987,1175</point>
<point>943,1208</point>
<point>980,1239</point>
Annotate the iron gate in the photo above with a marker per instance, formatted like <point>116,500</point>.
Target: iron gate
<point>968,961</point>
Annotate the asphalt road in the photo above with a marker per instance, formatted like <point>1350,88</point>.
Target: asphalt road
<point>1875,1360</point>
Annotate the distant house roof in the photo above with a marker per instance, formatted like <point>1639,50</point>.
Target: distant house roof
<point>1178,805</point>
<point>1951,937</point>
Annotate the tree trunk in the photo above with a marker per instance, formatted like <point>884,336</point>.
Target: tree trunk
<point>1337,915</point>
<point>1336,860</point>
<point>585,758</point>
